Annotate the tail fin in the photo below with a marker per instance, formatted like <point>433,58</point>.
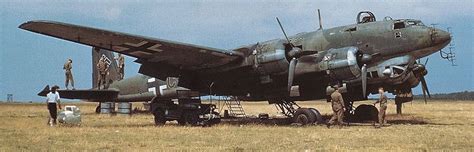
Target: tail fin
<point>97,54</point>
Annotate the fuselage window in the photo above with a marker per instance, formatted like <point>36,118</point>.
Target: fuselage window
<point>352,29</point>
<point>374,74</point>
<point>399,25</point>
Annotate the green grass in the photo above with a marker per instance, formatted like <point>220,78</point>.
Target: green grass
<point>444,126</point>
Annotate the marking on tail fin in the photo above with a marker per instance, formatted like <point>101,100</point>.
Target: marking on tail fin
<point>107,60</point>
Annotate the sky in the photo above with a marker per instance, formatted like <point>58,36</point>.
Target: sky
<point>30,61</point>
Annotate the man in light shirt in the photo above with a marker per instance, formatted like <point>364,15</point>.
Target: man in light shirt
<point>53,101</point>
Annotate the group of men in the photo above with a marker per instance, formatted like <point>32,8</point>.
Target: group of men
<point>53,98</point>
<point>337,103</point>
<point>102,69</point>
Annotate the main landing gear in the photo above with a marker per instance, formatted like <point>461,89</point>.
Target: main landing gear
<point>299,115</point>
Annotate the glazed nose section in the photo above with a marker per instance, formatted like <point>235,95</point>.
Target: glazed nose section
<point>440,36</point>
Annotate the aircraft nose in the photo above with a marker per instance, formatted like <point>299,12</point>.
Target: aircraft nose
<point>440,36</point>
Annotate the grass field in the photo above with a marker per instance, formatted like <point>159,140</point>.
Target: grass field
<point>434,126</point>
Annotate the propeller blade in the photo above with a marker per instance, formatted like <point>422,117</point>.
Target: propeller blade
<point>424,87</point>
<point>284,33</point>
<point>426,62</point>
<point>291,73</point>
<point>364,80</point>
<point>424,93</point>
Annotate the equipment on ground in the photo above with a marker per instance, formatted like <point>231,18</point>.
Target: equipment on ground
<point>71,115</point>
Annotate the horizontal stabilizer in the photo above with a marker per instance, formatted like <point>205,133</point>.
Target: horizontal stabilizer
<point>90,94</point>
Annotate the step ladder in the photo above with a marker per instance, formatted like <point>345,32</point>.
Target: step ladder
<point>233,105</point>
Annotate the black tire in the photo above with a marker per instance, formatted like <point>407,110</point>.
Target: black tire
<point>319,117</point>
<point>181,122</point>
<point>189,118</point>
<point>304,116</point>
<point>366,113</point>
<point>97,109</point>
<point>159,117</point>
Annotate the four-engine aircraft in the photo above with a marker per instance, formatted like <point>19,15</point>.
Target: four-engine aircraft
<point>359,57</point>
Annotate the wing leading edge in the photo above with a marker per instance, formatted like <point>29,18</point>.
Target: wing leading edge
<point>146,49</point>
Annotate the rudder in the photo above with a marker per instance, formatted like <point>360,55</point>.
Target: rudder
<point>113,75</point>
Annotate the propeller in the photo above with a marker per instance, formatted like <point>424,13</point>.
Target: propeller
<point>294,54</point>
<point>364,80</point>
<point>421,71</point>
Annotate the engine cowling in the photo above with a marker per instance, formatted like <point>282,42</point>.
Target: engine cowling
<point>270,58</point>
<point>341,63</point>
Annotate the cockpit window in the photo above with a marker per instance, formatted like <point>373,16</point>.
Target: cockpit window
<point>416,23</point>
<point>398,25</point>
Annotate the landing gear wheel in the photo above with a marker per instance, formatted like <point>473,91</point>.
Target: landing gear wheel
<point>159,115</point>
<point>304,116</point>
<point>319,117</point>
<point>366,113</point>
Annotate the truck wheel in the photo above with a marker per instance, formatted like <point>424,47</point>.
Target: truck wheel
<point>304,116</point>
<point>192,118</point>
<point>181,121</point>
<point>159,115</point>
<point>319,117</point>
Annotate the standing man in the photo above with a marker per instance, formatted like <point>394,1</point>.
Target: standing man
<point>52,99</point>
<point>102,68</point>
<point>68,70</point>
<point>383,107</point>
<point>121,65</point>
<point>337,107</point>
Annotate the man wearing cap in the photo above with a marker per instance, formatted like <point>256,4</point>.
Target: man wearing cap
<point>383,107</point>
<point>337,104</point>
<point>102,68</point>
<point>121,65</point>
<point>68,70</point>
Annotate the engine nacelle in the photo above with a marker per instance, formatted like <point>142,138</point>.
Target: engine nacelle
<point>341,63</point>
<point>270,58</point>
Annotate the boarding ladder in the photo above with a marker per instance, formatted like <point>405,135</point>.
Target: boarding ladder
<point>233,105</point>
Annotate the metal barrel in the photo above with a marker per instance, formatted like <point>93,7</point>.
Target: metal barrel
<point>124,108</point>
<point>107,107</point>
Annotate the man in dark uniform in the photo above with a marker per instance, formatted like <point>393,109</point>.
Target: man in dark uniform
<point>121,65</point>
<point>337,107</point>
<point>383,107</point>
<point>68,69</point>
<point>102,68</point>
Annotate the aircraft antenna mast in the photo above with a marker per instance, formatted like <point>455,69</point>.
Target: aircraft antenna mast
<point>320,22</point>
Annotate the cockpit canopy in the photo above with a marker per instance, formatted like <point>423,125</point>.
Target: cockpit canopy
<point>365,17</point>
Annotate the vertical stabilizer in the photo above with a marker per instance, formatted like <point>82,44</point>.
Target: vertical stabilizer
<point>113,75</point>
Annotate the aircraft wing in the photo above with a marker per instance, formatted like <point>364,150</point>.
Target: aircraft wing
<point>178,55</point>
<point>91,95</point>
